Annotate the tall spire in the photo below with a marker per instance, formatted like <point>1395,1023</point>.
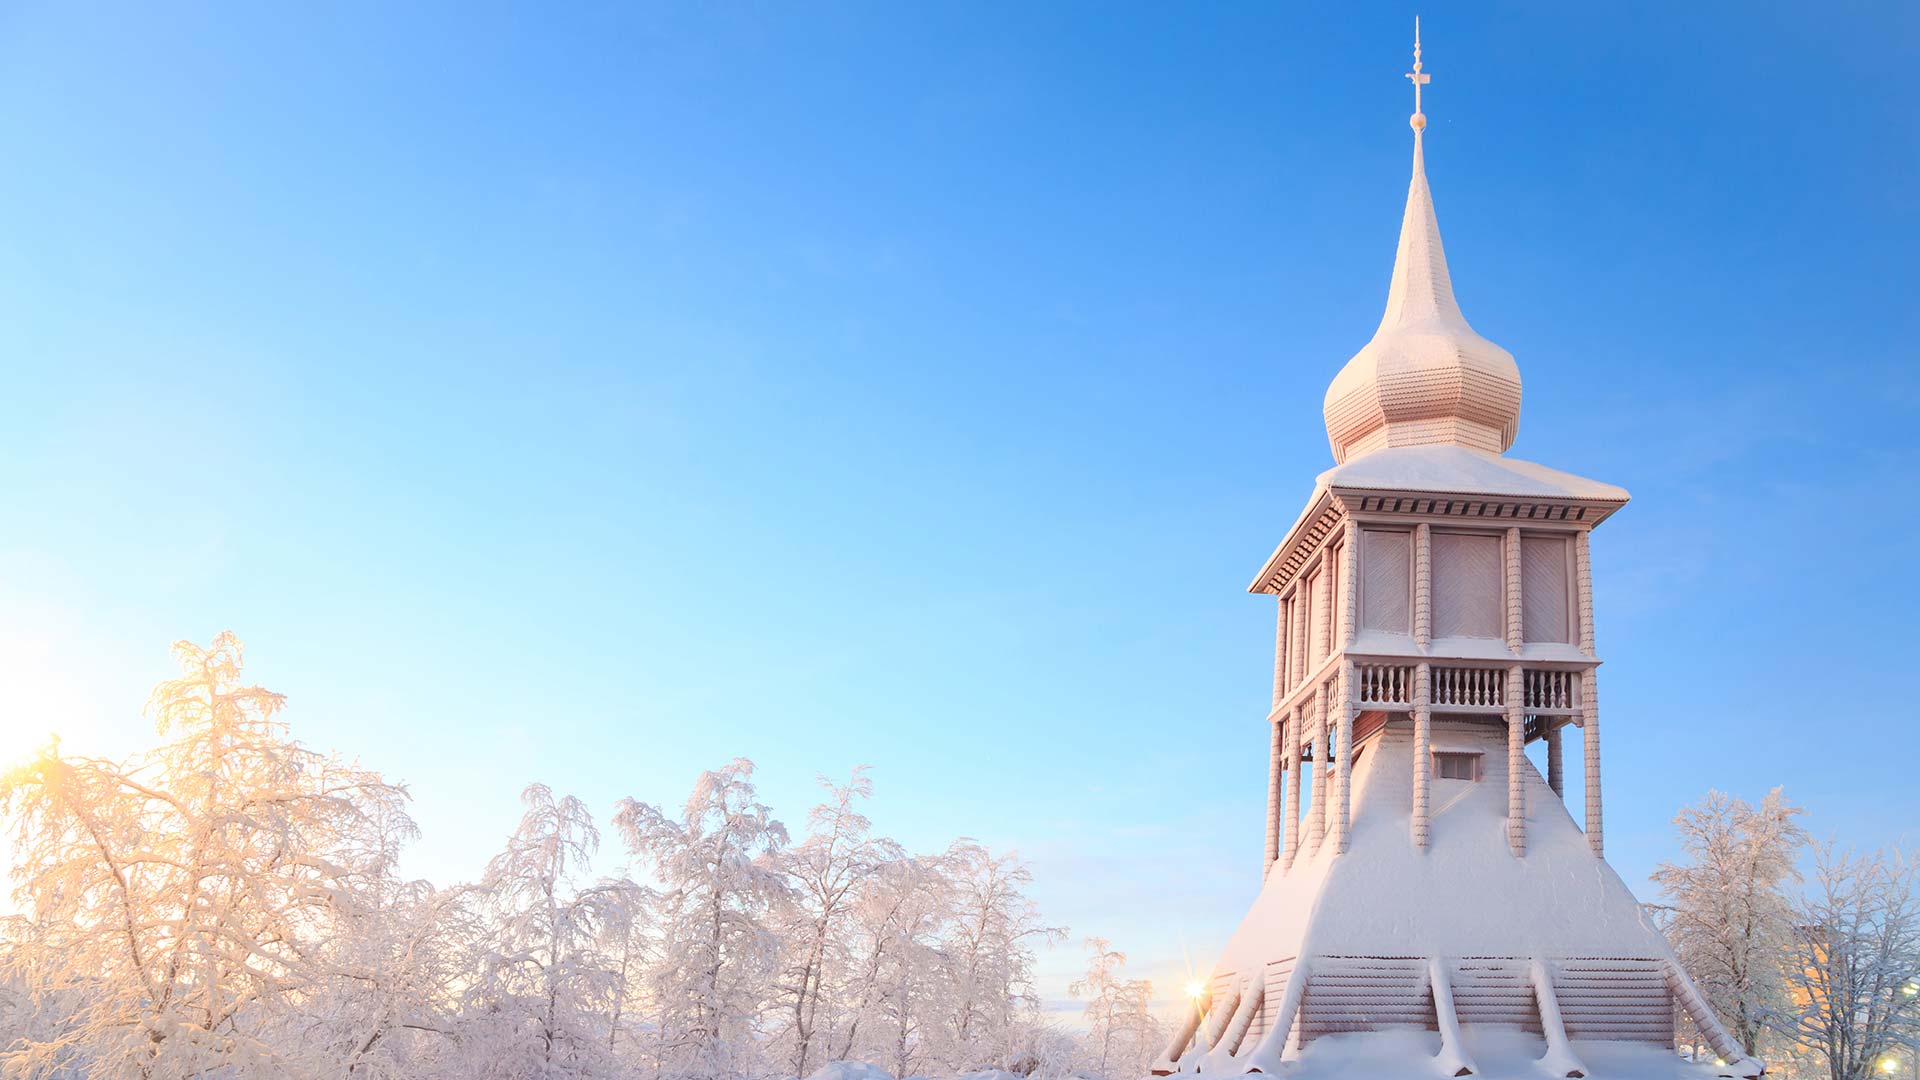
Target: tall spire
<point>1426,377</point>
<point>1419,119</point>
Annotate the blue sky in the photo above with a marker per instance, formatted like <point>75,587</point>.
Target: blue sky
<point>594,396</point>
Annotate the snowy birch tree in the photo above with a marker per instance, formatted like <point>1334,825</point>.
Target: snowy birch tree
<point>548,987</point>
<point>1122,1034</point>
<point>180,906</point>
<point>1854,964</point>
<point>899,983</point>
<point>990,943</point>
<point>1730,912</point>
<point>825,872</point>
<point>719,867</point>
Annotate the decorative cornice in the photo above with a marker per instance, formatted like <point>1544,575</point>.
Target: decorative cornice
<point>1314,529</point>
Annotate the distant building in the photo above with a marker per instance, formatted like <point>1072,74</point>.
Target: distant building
<point>1435,616</point>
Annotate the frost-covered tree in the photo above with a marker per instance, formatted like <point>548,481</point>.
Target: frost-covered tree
<point>180,908</point>
<point>1729,908</point>
<point>398,972</point>
<point>990,944</point>
<point>1122,1034</point>
<point>549,984</point>
<point>899,982</point>
<point>226,906</point>
<point>1854,964</point>
<point>718,864</point>
<point>825,873</point>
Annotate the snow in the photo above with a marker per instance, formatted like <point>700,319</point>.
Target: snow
<point>1466,895</point>
<point>1497,1053</point>
<point>850,1070</point>
<point>1387,643</point>
<point>1444,470</point>
<point>1460,470</point>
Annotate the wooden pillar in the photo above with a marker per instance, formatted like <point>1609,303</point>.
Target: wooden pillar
<point>1276,782</point>
<point>1516,763</point>
<point>1423,585</point>
<point>1344,714</point>
<point>1583,570</point>
<point>1274,778</point>
<point>1295,732</point>
<point>1322,770</point>
<point>1590,744</point>
<point>1512,552</point>
<point>1302,658</point>
<point>1322,613</point>
<point>1422,750</point>
<point>1589,695</point>
<point>1350,584</point>
<point>1556,763</point>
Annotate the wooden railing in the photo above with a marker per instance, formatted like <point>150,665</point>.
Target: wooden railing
<point>1388,685</point>
<point>1551,691</point>
<point>1383,684</point>
<point>1469,688</point>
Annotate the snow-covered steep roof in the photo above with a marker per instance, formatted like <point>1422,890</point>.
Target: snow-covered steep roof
<point>1458,470</point>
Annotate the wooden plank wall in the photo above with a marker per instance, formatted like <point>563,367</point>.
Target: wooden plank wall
<point>1363,993</point>
<point>1600,997</point>
<point>1614,998</point>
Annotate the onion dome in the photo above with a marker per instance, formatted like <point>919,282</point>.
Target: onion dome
<point>1426,378</point>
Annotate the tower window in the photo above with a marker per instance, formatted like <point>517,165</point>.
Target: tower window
<point>1456,766</point>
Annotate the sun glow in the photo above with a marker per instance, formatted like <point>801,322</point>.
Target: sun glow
<point>1196,989</point>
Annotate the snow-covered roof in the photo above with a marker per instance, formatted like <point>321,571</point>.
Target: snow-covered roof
<point>1436,470</point>
<point>1457,470</point>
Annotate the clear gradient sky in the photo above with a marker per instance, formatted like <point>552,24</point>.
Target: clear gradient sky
<point>592,394</point>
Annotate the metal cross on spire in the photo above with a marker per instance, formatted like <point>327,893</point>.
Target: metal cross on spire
<point>1418,119</point>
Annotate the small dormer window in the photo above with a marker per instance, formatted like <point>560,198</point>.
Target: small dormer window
<point>1456,766</point>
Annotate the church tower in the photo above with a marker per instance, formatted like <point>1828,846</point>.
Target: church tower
<point>1436,609</point>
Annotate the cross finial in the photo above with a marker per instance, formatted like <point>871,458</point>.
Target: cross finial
<point>1419,119</point>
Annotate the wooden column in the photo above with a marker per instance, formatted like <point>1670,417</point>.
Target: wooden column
<point>1276,782</point>
<point>1350,584</point>
<point>1583,570</point>
<point>1274,777</point>
<point>1423,585</point>
<point>1590,744</point>
<point>1322,770</point>
<point>1589,694</point>
<point>1302,604</point>
<point>1422,749</point>
<point>1516,763</point>
<point>1512,551</point>
<point>1323,611</point>
<point>1556,763</point>
<point>1344,705</point>
<point>1295,732</point>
